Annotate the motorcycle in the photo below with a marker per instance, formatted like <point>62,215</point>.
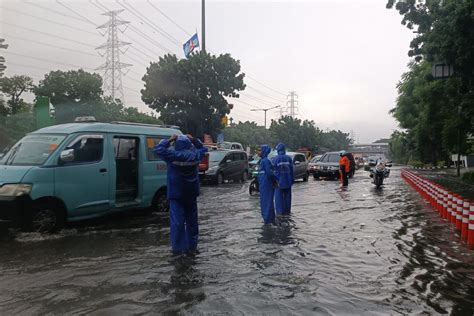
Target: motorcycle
<point>379,173</point>
<point>253,187</point>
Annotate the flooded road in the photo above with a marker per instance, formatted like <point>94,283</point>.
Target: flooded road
<point>354,251</point>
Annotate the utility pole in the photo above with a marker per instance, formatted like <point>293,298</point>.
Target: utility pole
<point>2,59</point>
<point>265,111</point>
<point>203,27</point>
<point>292,103</point>
<point>112,84</point>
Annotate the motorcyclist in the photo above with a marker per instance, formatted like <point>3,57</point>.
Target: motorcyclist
<point>183,189</point>
<point>267,180</point>
<point>344,168</point>
<point>284,172</point>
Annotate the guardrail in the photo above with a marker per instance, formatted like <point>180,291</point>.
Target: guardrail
<point>452,208</point>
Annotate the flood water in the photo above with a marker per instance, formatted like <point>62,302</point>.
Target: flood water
<point>354,251</point>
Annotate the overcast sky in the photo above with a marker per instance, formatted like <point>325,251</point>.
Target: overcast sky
<point>342,57</point>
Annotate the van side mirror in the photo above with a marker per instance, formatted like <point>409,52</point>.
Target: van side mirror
<point>66,156</point>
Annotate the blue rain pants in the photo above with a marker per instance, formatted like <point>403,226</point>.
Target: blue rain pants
<point>184,229</point>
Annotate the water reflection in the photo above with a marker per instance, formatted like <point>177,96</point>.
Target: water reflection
<point>185,284</point>
<point>280,233</point>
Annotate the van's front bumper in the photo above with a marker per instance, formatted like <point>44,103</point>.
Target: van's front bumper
<point>14,209</point>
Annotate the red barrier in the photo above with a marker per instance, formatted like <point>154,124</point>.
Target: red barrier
<point>451,204</point>
<point>459,213</point>
<point>465,219</point>
<point>470,233</point>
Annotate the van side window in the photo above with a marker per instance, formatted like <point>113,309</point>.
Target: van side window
<point>125,148</point>
<point>87,148</point>
<point>151,142</point>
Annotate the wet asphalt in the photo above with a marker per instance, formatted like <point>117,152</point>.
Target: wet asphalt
<point>342,251</point>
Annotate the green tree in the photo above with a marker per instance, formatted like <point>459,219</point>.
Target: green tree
<point>191,93</point>
<point>13,88</point>
<point>333,140</point>
<point>70,87</point>
<point>295,133</point>
<point>248,134</point>
<point>445,32</point>
<point>79,93</point>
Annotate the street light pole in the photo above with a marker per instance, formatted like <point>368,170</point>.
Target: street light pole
<point>203,25</point>
<point>265,111</point>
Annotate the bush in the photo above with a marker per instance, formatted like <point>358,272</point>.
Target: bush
<point>468,177</point>
<point>441,164</point>
<point>415,163</point>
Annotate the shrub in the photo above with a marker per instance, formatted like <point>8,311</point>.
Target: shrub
<point>468,177</point>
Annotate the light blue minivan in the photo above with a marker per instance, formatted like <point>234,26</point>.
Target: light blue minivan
<point>78,171</point>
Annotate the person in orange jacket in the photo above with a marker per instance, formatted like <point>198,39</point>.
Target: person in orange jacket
<point>344,168</point>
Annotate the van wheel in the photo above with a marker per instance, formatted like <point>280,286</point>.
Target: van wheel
<point>46,218</point>
<point>220,178</point>
<point>161,203</point>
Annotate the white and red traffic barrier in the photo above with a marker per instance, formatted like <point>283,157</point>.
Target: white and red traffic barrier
<point>470,227</point>
<point>452,208</point>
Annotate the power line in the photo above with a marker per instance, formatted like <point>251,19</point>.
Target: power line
<point>48,34</point>
<point>135,30</point>
<point>73,11</point>
<point>264,85</point>
<point>47,60</point>
<point>52,45</point>
<point>54,11</point>
<point>50,21</point>
<point>264,94</point>
<point>170,37</point>
<point>168,18</point>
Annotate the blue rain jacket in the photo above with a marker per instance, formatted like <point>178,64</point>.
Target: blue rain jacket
<point>283,168</point>
<point>284,172</point>
<point>266,180</point>
<point>182,163</point>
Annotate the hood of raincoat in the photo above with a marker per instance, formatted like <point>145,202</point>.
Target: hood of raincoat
<point>265,150</point>
<point>182,143</point>
<point>281,149</point>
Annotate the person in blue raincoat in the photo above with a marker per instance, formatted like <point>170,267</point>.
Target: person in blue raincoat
<point>284,172</point>
<point>183,189</point>
<point>267,181</point>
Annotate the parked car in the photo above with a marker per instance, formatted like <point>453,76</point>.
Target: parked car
<point>312,164</point>
<point>327,166</point>
<point>230,146</point>
<point>226,165</point>
<point>300,166</point>
<point>78,171</point>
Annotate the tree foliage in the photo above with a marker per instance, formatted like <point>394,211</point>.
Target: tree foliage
<point>293,132</point>
<point>191,92</point>
<point>13,88</point>
<point>79,93</point>
<point>70,87</point>
<point>249,134</point>
<point>438,115</point>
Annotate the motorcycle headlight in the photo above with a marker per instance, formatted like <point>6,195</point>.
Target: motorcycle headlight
<point>15,189</point>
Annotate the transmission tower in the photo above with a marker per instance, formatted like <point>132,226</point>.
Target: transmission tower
<point>2,59</point>
<point>292,103</point>
<point>112,84</point>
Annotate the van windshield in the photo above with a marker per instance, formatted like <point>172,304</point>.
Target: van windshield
<point>32,150</point>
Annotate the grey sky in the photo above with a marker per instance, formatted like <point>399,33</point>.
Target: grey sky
<point>343,58</point>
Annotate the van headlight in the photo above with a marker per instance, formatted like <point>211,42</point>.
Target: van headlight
<point>18,189</point>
